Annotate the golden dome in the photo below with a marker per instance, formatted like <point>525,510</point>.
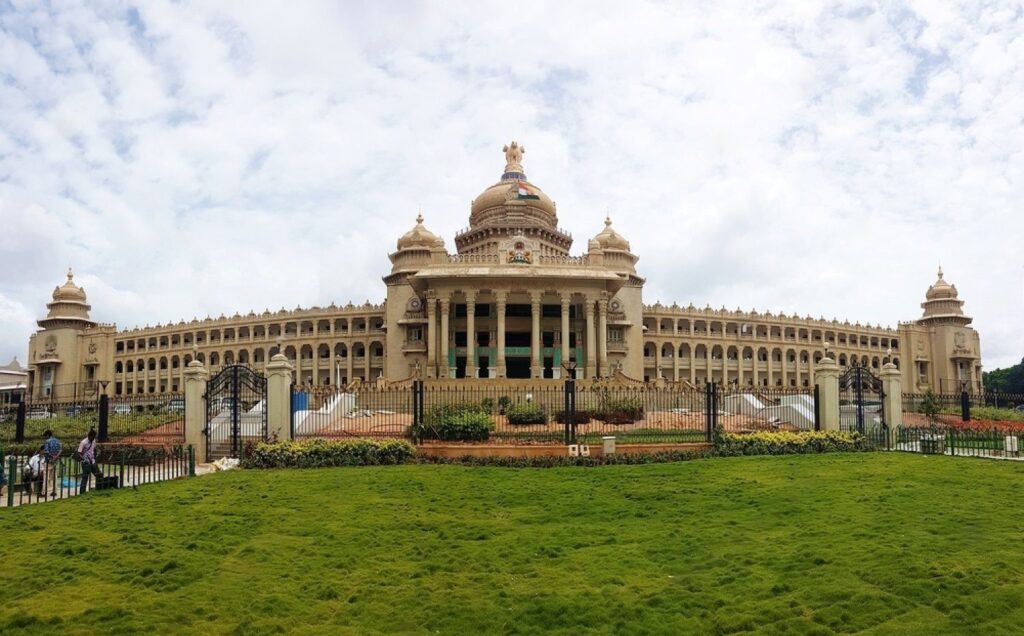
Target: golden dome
<point>609,239</point>
<point>419,236</point>
<point>941,290</point>
<point>69,291</point>
<point>513,193</point>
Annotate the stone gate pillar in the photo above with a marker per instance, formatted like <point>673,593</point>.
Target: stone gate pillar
<point>892,386</point>
<point>195,408</point>
<point>279,398</point>
<point>826,374</point>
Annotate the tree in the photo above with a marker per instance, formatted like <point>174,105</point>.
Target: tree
<point>1009,380</point>
<point>930,407</point>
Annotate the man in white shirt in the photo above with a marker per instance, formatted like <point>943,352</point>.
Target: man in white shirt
<point>34,471</point>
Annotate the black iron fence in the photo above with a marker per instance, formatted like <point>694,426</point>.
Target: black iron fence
<point>927,409</point>
<point>128,419</point>
<point>549,412</point>
<point>32,478</point>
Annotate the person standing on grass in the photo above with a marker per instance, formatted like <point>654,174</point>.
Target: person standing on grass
<point>86,454</point>
<point>33,472</point>
<point>53,449</point>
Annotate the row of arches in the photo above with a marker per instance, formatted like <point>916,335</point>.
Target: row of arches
<point>739,329</point>
<point>248,333</point>
<point>667,351</point>
<point>257,355</point>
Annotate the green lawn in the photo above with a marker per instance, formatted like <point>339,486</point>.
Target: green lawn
<point>887,543</point>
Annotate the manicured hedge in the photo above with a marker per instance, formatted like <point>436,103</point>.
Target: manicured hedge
<point>316,453</point>
<point>526,413</point>
<point>785,443</point>
<point>455,422</point>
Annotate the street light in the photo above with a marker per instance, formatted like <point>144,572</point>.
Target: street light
<point>337,370</point>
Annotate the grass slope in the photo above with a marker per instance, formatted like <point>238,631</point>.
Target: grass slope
<point>879,543</point>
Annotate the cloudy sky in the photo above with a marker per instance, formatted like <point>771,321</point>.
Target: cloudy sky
<point>199,159</point>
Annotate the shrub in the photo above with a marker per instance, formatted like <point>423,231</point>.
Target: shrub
<point>930,407</point>
<point>316,453</point>
<point>581,416</point>
<point>526,413</point>
<point>455,422</point>
<point>503,403</point>
<point>787,443</point>
<point>620,410</point>
<point>487,404</point>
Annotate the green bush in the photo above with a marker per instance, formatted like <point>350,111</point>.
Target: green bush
<point>455,422</point>
<point>581,417</point>
<point>620,410</point>
<point>930,407</point>
<point>786,443</point>
<point>487,404</point>
<point>526,413</point>
<point>317,453</point>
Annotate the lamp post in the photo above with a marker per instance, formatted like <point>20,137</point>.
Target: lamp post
<point>337,370</point>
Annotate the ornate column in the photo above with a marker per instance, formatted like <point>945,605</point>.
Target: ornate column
<point>693,366</point>
<point>602,336</point>
<point>566,304</point>
<point>443,349</point>
<point>470,334</point>
<point>675,363</point>
<point>591,342</point>
<point>349,368</point>
<point>431,336</point>
<point>500,297</point>
<point>366,362</point>
<point>536,369</point>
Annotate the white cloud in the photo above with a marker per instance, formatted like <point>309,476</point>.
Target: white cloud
<point>777,156</point>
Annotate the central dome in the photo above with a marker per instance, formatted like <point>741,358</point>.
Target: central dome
<point>513,201</point>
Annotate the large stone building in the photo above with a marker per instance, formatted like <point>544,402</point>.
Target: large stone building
<point>511,302</point>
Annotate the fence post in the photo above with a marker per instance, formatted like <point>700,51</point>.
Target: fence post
<point>279,382</point>
<point>965,406</point>
<point>104,419</point>
<point>291,410</point>
<point>817,407</point>
<point>12,474</point>
<point>191,461</point>
<point>195,407</point>
<point>892,403</point>
<point>19,425</point>
<point>826,372</point>
<point>709,425</point>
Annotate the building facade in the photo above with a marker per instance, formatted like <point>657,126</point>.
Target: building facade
<point>512,302</point>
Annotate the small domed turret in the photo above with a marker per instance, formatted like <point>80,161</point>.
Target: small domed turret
<point>69,291</point>
<point>941,290</point>
<point>419,236</point>
<point>609,239</point>
<point>942,304</point>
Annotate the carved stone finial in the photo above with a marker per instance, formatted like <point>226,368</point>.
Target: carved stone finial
<point>514,157</point>
<point>71,275</point>
<point>419,219</point>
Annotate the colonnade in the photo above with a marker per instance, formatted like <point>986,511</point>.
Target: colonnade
<point>439,305</point>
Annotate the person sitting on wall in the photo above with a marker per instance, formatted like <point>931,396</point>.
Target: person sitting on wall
<point>86,454</point>
<point>53,449</point>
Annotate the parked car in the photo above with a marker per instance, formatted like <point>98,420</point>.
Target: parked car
<point>1020,407</point>
<point>38,413</point>
<point>177,405</point>
<point>122,409</point>
<point>73,410</point>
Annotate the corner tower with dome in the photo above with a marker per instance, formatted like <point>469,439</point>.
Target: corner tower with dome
<point>67,354</point>
<point>512,301</point>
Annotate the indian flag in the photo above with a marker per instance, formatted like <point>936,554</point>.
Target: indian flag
<point>526,192</point>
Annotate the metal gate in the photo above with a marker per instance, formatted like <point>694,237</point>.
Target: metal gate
<point>236,410</point>
<point>861,400</point>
